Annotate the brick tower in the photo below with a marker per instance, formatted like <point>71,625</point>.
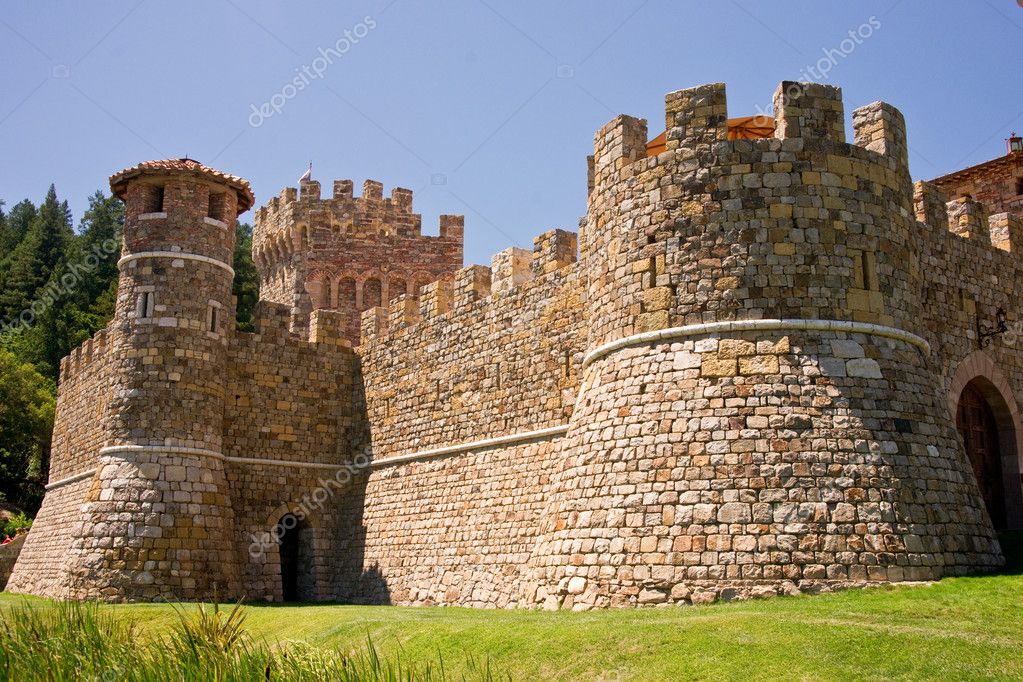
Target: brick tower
<point>348,253</point>
<point>157,519</point>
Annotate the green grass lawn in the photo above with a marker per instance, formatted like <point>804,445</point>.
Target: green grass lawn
<point>961,628</point>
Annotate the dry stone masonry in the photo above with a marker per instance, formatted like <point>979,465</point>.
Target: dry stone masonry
<point>763,366</point>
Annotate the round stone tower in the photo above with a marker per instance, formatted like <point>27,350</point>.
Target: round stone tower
<point>756,412</point>
<point>157,521</point>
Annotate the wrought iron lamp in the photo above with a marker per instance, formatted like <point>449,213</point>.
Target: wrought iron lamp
<point>986,332</point>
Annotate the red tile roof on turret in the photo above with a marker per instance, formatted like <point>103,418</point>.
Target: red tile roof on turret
<point>119,180</point>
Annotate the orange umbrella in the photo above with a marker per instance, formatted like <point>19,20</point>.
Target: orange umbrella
<point>750,127</point>
<point>742,128</point>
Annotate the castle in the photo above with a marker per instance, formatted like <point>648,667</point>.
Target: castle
<point>762,366</point>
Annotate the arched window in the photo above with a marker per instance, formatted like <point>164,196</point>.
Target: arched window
<point>371,293</point>
<point>395,287</point>
<point>346,294</point>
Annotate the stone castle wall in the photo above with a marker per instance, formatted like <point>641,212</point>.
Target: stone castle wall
<point>731,455</point>
<point>81,404</point>
<point>287,427</point>
<point>8,557</point>
<point>493,352</point>
<point>741,381</point>
<point>971,269</point>
<point>466,525</point>
<point>464,436</point>
<point>290,398</point>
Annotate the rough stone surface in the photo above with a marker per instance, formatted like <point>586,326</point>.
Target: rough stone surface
<point>704,464</point>
<point>8,557</point>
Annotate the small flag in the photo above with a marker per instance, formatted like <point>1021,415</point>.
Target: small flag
<point>308,174</point>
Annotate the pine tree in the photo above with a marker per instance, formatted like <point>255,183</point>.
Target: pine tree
<point>34,260</point>
<point>246,279</point>
<point>7,242</point>
<point>100,243</point>
<point>19,218</point>
<point>84,285</point>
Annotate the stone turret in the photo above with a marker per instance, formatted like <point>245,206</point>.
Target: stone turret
<point>756,409</point>
<point>157,519</point>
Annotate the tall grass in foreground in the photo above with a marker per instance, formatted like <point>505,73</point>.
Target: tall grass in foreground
<point>76,641</point>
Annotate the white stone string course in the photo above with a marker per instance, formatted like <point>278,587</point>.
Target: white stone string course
<point>726,327</point>
<point>461,448</point>
<point>499,441</point>
<point>177,255</point>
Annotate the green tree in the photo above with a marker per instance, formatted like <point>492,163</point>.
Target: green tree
<point>7,242</point>
<point>34,260</point>
<point>19,218</point>
<point>82,288</point>
<point>26,421</point>
<point>246,279</point>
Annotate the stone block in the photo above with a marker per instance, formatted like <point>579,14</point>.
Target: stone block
<point>758,365</point>
<point>865,368</point>
<point>733,348</point>
<point>714,366</point>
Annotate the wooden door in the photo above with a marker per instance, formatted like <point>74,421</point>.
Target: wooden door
<point>976,423</point>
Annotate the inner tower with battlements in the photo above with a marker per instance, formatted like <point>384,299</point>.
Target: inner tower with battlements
<point>348,253</point>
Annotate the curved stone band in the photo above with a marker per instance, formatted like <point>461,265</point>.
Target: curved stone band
<point>755,325</point>
<point>498,441</point>
<point>176,254</point>
<point>80,476</point>
<point>200,452</point>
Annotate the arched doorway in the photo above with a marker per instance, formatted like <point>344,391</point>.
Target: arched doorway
<point>297,580</point>
<point>978,426</point>
<point>979,382</point>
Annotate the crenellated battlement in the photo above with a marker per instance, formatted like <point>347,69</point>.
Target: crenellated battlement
<point>809,116</point>
<point>302,219</point>
<point>797,212</point>
<point>967,219</point>
<point>273,326</point>
<point>91,351</point>
<point>1006,232</point>
<point>472,286</point>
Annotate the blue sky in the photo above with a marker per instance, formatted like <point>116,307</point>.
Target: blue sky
<point>480,107</point>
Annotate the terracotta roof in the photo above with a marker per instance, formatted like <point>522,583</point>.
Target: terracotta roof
<point>1015,158</point>
<point>119,180</point>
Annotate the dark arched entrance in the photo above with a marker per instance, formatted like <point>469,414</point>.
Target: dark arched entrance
<point>296,559</point>
<point>977,424</point>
